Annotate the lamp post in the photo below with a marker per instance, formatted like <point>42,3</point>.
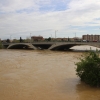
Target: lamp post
<point>51,36</point>
<point>55,34</point>
<point>75,37</point>
<point>10,37</point>
<point>30,37</point>
<point>75,34</point>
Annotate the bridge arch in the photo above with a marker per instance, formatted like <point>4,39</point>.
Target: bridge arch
<point>21,46</point>
<point>62,47</point>
<point>67,46</point>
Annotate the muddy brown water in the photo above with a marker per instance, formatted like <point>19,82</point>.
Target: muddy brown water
<point>42,75</point>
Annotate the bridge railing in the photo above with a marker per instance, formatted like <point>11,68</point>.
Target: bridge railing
<point>53,42</point>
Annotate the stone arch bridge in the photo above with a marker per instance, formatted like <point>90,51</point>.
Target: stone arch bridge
<point>48,45</point>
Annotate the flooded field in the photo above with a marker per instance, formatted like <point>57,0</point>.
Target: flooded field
<point>42,75</point>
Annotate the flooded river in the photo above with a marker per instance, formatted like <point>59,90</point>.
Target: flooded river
<point>42,75</point>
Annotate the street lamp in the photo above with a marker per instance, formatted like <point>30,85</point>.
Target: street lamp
<point>55,34</point>
<point>30,37</point>
<point>75,36</point>
<point>10,37</point>
<point>51,35</point>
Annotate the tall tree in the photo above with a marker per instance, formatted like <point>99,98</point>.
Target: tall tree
<point>21,39</point>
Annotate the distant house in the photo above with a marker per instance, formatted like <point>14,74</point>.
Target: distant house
<point>37,38</point>
<point>91,38</point>
<point>77,39</point>
<point>62,39</point>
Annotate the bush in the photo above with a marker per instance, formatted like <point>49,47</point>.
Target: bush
<point>88,69</point>
<point>0,45</point>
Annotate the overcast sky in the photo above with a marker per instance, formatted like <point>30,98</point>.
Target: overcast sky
<point>22,18</point>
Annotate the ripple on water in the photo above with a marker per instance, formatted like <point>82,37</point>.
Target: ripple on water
<point>42,75</point>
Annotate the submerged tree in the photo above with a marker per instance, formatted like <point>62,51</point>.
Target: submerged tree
<point>88,69</point>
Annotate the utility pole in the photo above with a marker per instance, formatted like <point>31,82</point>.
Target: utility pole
<point>10,37</point>
<point>51,35</point>
<point>30,37</point>
<point>55,34</point>
<point>75,36</point>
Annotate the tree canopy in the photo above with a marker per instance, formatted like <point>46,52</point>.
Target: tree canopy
<point>88,68</point>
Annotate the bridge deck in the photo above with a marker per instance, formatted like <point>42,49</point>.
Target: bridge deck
<point>50,45</point>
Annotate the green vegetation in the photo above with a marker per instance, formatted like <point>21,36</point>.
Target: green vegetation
<point>0,45</point>
<point>88,69</point>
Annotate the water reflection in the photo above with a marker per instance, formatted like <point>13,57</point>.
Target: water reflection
<point>87,92</point>
<point>84,48</point>
<point>69,85</point>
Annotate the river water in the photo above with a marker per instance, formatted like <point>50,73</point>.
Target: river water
<point>42,75</point>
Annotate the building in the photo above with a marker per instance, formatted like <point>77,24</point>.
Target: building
<point>91,38</point>
<point>37,38</point>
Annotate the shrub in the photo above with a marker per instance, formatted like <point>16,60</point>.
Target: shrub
<point>88,68</point>
<point>0,45</point>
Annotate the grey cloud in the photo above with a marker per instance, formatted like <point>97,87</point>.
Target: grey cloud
<point>80,13</point>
